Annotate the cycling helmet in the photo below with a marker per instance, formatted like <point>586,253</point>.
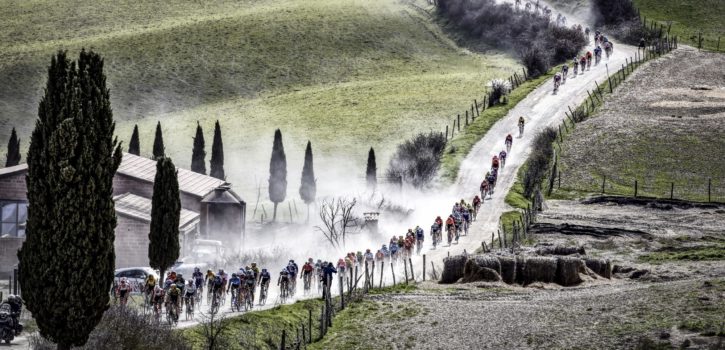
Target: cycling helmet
<point>123,280</point>
<point>220,271</point>
<point>367,250</point>
<point>196,269</point>
<point>291,261</point>
<point>264,270</point>
<point>173,286</point>
<point>247,267</point>
<point>209,271</point>
<point>180,276</point>
<point>384,246</point>
<point>234,275</point>
<point>191,283</point>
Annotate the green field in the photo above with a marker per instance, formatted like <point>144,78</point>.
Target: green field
<point>688,18</point>
<point>346,75</point>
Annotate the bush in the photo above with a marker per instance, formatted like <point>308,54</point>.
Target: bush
<point>536,61</point>
<point>417,161</point>
<point>124,328</point>
<point>615,11</point>
<point>518,30</point>
<point>499,88</point>
<point>620,19</point>
<point>539,159</point>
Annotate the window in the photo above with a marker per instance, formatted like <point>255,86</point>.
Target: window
<point>13,215</point>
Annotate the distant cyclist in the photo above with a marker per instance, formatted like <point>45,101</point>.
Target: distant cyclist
<point>521,126</point>
<point>509,140</point>
<point>564,72</point>
<point>557,81</point>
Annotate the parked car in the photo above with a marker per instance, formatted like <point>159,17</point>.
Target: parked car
<point>186,265</point>
<point>136,276</point>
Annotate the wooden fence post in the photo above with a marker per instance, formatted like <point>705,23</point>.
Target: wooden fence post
<point>309,325</point>
<point>282,345</point>
<point>433,268</point>
<point>405,267</point>
<point>342,295</point>
<point>412,273</point>
<point>559,178</point>
<point>466,118</point>
<point>382,269</point>
<point>561,138</point>
<point>525,76</point>
<point>635,188</point>
<point>446,131</point>
<point>392,270</point>
<point>672,190</point>
<point>709,184</point>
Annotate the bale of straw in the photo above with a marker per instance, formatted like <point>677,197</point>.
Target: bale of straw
<point>601,267</point>
<point>560,250</point>
<point>540,269</point>
<point>488,261</point>
<point>453,269</point>
<point>508,269</point>
<point>472,272</point>
<point>520,267</point>
<point>568,269</point>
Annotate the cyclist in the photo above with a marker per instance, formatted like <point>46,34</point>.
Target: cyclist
<point>123,291</point>
<point>189,294</point>
<point>369,258</point>
<point>491,182</point>
<point>209,279</point>
<point>582,63</point>
<point>379,256</point>
<point>394,250</point>
<point>557,81</point>
<point>575,64</point>
<point>158,299</point>
<point>608,47</point>
<point>476,205</point>
<point>198,278</point>
<point>386,252</point>
<point>249,282</point>
<point>180,282</point>
<point>283,280</point>
<point>292,268</point>
<point>173,300</point>
<point>502,157</point>
<point>494,162</point>
<point>521,127</point>
<point>264,278</point>
<point>255,270</point>
<point>327,276</point>
<point>341,265</point>
<point>149,285</point>
<point>307,270</point>
<point>234,283</point>
<point>564,71</point>
<point>589,60</point>
<point>586,32</point>
<point>450,228</point>
<point>419,237</point>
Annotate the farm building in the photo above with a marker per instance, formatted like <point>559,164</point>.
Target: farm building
<point>210,210</point>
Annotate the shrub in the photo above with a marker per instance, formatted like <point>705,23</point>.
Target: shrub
<point>620,19</point>
<point>499,88</point>
<point>517,30</point>
<point>417,161</point>
<point>124,328</point>
<point>536,61</point>
<point>538,161</point>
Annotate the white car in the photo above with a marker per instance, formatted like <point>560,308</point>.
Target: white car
<point>136,276</point>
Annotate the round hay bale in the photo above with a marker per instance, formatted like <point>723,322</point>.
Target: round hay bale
<point>520,267</point>
<point>568,269</point>
<point>472,272</point>
<point>488,261</point>
<point>539,269</point>
<point>601,267</point>
<point>508,269</point>
<point>453,269</point>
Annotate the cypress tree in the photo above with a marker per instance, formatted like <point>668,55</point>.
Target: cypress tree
<point>134,146</point>
<point>67,259</point>
<point>371,172</point>
<point>217,154</point>
<point>165,212</point>
<point>158,142</point>
<point>13,155</point>
<point>198,154</point>
<point>277,173</point>
<point>308,188</point>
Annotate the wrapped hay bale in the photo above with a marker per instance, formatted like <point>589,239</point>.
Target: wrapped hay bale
<point>508,269</point>
<point>453,269</point>
<point>560,250</point>
<point>520,266</point>
<point>487,261</point>
<point>472,272</point>
<point>601,267</point>
<point>540,269</point>
<point>568,269</point>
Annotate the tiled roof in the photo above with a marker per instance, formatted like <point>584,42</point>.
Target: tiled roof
<point>13,169</point>
<point>189,181</point>
<point>140,208</point>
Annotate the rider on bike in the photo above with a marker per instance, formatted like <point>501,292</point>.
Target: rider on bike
<point>521,129</point>
<point>502,157</point>
<point>149,284</point>
<point>307,270</point>
<point>385,251</point>
<point>255,270</point>
<point>419,234</point>
<point>190,293</point>
<point>557,81</point>
<point>250,282</point>
<point>123,291</point>
<point>264,278</point>
<point>369,257</point>
<point>159,296</point>
<point>173,299</point>
<point>198,278</point>
<point>234,283</point>
<point>283,278</point>
<point>379,256</point>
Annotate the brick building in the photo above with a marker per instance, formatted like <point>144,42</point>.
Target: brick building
<point>204,199</point>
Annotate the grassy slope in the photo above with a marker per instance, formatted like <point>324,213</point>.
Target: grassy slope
<point>345,74</point>
<point>688,18</point>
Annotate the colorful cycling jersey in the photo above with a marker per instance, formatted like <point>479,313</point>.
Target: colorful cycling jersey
<point>264,277</point>
<point>235,282</point>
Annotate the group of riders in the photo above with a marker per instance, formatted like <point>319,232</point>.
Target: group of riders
<point>584,63</point>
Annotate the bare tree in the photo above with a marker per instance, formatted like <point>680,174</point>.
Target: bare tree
<point>337,220</point>
<point>215,331</point>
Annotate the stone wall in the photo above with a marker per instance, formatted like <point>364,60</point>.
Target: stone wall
<point>132,242</point>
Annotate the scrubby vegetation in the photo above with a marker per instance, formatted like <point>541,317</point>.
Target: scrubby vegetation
<point>124,328</point>
<point>416,161</point>
<point>538,162</point>
<point>688,19</point>
<point>522,31</point>
<point>620,19</point>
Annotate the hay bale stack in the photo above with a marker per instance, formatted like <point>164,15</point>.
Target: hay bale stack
<point>568,269</point>
<point>508,269</point>
<point>520,267</point>
<point>472,272</point>
<point>540,269</point>
<point>487,261</point>
<point>601,267</point>
<point>560,250</point>
<point>453,269</point>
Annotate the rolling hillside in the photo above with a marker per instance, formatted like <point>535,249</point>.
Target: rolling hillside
<point>345,74</point>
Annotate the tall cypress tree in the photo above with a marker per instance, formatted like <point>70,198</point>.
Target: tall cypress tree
<point>371,172</point>
<point>308,188</point>
<point>198,155</point>
<point>165,212</point>
<point>13,155</point>
<point>67,260</point>
<point>277,173</point>
<point>217,154</point>
<point>134,146</point>
<point>158,143</point>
